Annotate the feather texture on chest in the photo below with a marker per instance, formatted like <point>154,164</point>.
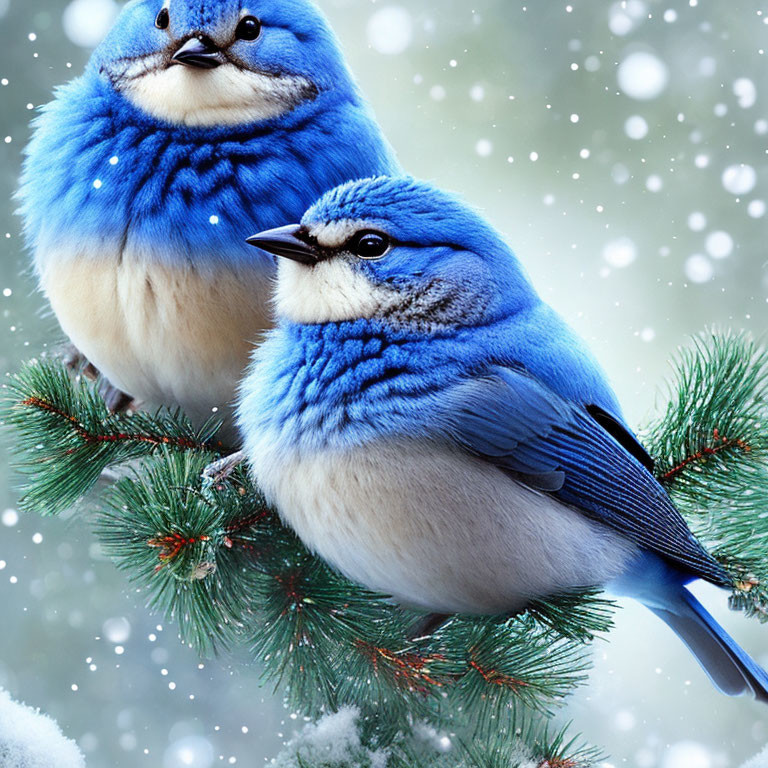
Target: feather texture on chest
<point>200,192</point>
<point>340,384</point>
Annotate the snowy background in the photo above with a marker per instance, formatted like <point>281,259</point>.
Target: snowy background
<point>622,148</point>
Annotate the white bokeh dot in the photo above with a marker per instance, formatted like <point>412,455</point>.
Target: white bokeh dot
<point>739,179</point>
<point>620,253</point>
<point>437,93</point>
<point>643,76</point>
<point>687,754</point>
<point>701,161</point>
<point>390,30</point>
<point>117,630</point>
<point>707,66</point>
<point>636,127</point>
<point>745,91</point>
<point>697,221</point>
<point>719,245</point>
<point>699,269</point>
<point>10,518</point>
<point>477,92</point>
<point>625,720</point>
<point>484,148</point>
<point>86,22</point>
<point>654,183</point>
<point>189,752</point>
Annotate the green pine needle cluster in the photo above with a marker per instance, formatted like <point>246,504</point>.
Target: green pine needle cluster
<point>711,447</point>
<point>219,563</point>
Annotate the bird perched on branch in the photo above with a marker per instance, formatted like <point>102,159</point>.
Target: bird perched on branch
<point>193,119</point>
<point>457,445</point>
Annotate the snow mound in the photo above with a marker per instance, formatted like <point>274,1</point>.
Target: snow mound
<point>31,740</point>
<point>758,761</point>
<point>333,740</point>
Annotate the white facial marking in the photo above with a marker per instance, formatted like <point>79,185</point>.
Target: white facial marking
<point>335,233</point>
<point>331,292</point>
<point>226,95</point>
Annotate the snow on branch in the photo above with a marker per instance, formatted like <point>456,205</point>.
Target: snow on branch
<point>758,761</point>
<point>29,739</point>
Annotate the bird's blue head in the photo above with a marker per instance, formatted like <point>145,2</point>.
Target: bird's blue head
<point>396,250</point>
<point>221,62</point>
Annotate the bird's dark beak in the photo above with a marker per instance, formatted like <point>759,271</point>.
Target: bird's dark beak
<point>287,242</point>
<point>199,52</point>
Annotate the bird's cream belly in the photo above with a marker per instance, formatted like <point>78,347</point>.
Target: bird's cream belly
<point>164,335</point>
<point>435,528</point>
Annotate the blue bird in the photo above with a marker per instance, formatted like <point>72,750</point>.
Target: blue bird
<point>434,430</point>
<point>192,117</point>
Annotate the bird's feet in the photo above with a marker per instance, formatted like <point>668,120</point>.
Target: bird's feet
<point>78,363</point>
<point>217,473</point>
<point>117,401</point>
<point>427,626</point>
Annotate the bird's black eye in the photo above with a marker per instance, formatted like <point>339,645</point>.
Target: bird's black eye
<point>249,28</point>
<point>369,245</point>
<point>163,19</point>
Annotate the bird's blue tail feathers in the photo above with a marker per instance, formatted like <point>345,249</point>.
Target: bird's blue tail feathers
<point>662,588</point>
<point>728,666</point>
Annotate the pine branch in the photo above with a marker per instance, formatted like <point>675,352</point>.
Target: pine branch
<point>67,437</point>
<point>220,563</point>
<point>532,745</point>
<point>496,665</point>
<point>711,444</point>
<point>580,615</point>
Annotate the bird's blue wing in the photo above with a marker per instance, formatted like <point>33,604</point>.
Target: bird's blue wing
<point>511,419</point>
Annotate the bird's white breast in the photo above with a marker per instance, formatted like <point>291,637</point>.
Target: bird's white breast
<point>164,334</point>
<point>434,527</point>
<point>226,95</point>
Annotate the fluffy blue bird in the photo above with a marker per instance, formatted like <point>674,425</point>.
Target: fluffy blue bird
<point>193,119</point>
<point>434,430</point>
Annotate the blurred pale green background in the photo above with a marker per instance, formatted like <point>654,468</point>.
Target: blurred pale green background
<point>621,147</point>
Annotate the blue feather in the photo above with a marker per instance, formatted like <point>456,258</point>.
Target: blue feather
<point>662,589</point>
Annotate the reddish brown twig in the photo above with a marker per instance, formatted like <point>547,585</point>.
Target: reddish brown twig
<point>410,669</point>
<point>121,437</point>
<point>494,677</point>
<point>720,444</point>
